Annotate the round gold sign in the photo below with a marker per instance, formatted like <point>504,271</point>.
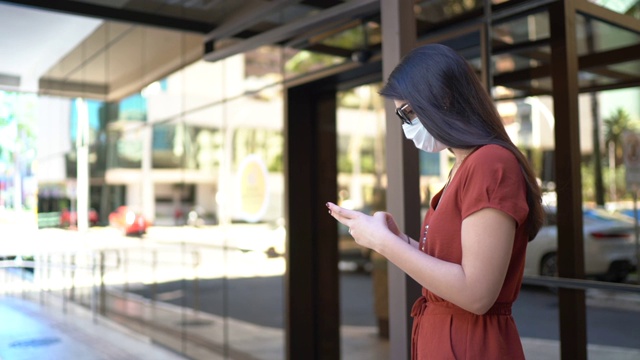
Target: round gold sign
<point>254,190</point>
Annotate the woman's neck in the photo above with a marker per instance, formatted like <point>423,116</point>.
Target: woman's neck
<point>460,155</point>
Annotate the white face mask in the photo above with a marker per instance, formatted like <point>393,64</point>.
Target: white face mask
<point>421,137</point>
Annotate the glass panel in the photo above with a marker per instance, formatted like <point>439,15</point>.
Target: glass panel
<point>522,88</point>
<point>525,29</point>
<point>607,52</point>
<point>207,152</point>
<point>596,36</point>
<point>513,54</point>
<point>626,7</point>
<point>166,149</point>
<point>433,12</point>
<point>631,68</point>
<point>353,41</point>
<point>262,70</point>
<point>587,79</point>
<point>618,111</point>
<point>521,59</point>
<point>254,225</point>
<point>361,179</point>
<point>357,37</point>
<point>300,62</point>
<point>18,155</point>
<point>125,145</point>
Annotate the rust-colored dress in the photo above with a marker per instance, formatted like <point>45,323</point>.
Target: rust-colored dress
<point>490,177</point>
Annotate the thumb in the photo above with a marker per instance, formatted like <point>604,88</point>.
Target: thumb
<point>391,223</point>
<point>381,217</point>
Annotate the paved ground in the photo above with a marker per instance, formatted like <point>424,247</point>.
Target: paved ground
<point>32,331</point>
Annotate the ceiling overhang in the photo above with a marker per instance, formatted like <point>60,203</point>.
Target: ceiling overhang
<point>140,41</point>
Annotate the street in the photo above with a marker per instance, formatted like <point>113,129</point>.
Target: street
<point>260,300</point>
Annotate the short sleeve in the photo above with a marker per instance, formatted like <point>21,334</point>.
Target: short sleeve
<point>493,179</point>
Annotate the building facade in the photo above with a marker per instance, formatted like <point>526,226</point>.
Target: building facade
<point>251,119</point>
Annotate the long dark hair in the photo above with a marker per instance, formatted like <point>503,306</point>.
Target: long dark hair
<point>443,89</point>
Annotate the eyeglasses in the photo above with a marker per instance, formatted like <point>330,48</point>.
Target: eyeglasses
<point>405,113</point>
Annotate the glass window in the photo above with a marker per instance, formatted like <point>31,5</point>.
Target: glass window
<point>596,36</point>
<point>362,186</point>
<point>524,29</point>
<point>299,62</point>
<point>431,13</point>
<point>626,7</point>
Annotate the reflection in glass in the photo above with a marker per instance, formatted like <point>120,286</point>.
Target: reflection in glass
<point>125,145</point>
<point>525,29</point>
<point>361,186</point>
<point>357,37</point>
<point>434,12</point>
<point>630,68</point>
<point>300,62</point>
<point>626,7</point>
<point>597,36</point>
<point>522,59</point>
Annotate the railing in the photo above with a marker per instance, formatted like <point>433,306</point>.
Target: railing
<point>579,284</point>
<point>73,276</point>
<point>102,282</point>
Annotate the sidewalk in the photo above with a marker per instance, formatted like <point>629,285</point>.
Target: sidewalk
<point>30,331</point>
<point>39,332</point>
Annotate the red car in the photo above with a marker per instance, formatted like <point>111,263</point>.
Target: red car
<point>69,218</point>
<point>129,221</point>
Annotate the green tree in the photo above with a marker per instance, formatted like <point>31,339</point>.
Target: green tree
<point>614,126</point>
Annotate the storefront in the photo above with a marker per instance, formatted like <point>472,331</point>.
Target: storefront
<point>252,115</point>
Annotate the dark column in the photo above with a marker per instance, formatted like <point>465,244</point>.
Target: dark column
<point>486,47</point>
<point>595,114</point>
<point>564,72</point>
<point>312,284</point>
<point>403,196</point>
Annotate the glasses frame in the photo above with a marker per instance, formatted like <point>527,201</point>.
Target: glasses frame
<point>403,115</point>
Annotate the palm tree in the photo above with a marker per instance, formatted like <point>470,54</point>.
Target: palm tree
<point>616,124</point>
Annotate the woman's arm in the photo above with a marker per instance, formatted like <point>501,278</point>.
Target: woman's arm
<point>474,285</point>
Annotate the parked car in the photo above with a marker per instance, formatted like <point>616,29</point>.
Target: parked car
<point>68,218</point>
<point>628,212</point>
<point>129,221</point>
<point>609,246</point>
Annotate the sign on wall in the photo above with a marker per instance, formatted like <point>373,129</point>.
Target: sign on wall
<point>254,189</point>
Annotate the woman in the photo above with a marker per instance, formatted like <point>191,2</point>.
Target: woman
<point>471,252</point>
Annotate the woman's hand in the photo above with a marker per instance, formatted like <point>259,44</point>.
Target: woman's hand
<point>366,230</point>
<point>392,226</point>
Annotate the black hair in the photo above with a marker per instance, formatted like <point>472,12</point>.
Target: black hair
<point>447,96</point>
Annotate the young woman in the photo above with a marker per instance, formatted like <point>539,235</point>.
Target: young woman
<point>471,252</point>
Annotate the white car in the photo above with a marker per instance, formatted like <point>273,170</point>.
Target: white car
<point>609,246</point>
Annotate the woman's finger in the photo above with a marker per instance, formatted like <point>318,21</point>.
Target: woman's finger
<point>336,214</point>
<point>340,212</point>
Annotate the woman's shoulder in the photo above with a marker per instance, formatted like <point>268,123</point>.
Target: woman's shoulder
<point>493,154</point>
